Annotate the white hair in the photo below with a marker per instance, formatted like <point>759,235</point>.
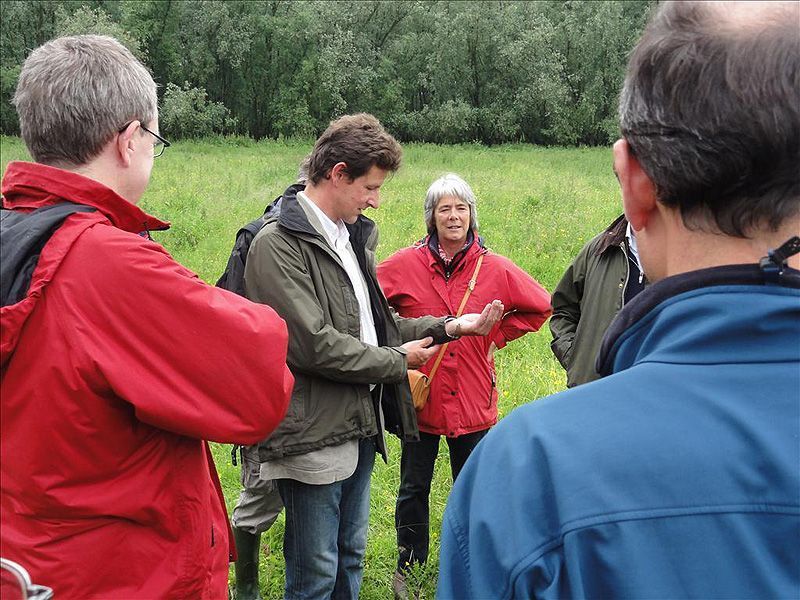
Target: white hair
<point>449,185</point>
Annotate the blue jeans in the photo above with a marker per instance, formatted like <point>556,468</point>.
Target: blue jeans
<point>326,532</point>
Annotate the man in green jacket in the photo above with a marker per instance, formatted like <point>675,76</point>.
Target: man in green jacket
<point>315,265</point>
<point>604,277</point>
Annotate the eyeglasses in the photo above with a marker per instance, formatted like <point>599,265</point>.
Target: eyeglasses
<point>158,145</point>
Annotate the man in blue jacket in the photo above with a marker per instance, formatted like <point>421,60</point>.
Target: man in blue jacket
<point>678,474</point>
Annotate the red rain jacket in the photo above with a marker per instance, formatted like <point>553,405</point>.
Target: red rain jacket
<point>115,368</point>
<point>463,395</point>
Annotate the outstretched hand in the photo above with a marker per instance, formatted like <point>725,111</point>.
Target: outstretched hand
<point>477,324</point>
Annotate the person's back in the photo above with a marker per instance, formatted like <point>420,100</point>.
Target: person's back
<point>116,362</point>
<point>663,479</point>
<point>678,473</point>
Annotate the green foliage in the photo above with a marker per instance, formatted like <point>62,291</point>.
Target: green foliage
<point>9,122</point>
<point>496,71</point>
<point>187,113</point>
<point>537,206</point>
<point>86,20</point>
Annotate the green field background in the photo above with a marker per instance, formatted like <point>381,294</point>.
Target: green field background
<point>536,205</point>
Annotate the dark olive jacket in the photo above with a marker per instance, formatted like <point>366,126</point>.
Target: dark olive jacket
<point>291,267</point>
<point>587,299</point>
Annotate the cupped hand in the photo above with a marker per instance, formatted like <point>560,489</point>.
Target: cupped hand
<point>479,324</point>
<point>418,352</point>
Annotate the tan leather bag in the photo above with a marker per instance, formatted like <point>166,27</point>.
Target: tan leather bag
<point>420,388</point>
<point>419,382</point>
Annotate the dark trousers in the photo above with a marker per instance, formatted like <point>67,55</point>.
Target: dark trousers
<point>412,513</point>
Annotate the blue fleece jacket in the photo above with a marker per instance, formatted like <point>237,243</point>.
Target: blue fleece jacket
<point>678,475</point>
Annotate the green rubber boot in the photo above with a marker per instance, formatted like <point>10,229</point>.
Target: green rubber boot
<point>248,547</point>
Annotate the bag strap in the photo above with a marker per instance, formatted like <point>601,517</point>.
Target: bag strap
<point>470,286</point>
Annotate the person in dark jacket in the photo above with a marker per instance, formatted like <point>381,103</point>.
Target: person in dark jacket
<point>604,277</point>
<point>315,264</point>
<point>116,363</point>
<point>677,475</point>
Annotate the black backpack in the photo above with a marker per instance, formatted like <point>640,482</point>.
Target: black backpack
<point>232,278</point>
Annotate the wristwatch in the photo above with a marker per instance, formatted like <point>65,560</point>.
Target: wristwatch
<point>458,328</point>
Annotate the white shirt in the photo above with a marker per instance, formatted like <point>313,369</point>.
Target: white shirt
<point>338,239</point>
<point>634,249</point>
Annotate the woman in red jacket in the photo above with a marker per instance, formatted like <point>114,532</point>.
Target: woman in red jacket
<point>431,278</point>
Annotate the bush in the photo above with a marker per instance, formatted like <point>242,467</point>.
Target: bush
<point>455,122</point>
<point>187,113</point>
<point>9,122</point>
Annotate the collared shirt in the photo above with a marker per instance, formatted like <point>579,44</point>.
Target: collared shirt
<point>338,239</point>
<point>635,283</point>
<point>631,237</point>
<point>448,259</point>
<point>332,463</point>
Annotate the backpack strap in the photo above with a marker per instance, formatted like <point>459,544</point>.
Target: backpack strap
<point>23,235</point>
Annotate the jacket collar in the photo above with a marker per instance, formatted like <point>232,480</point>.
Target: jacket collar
<point>653,298</point>
<point>430,245</point>
<point>28,185</point>
<point>293,218</point>
<point>613,236</point>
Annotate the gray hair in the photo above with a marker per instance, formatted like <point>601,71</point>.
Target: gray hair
<point>74,93</point>
<point>449,185</point>
<point>711,109</point>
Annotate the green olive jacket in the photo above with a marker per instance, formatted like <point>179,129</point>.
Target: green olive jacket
<point>291,267</point>
<point>586,300</point>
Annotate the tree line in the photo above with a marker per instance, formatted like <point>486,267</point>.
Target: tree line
<point>546,72</point>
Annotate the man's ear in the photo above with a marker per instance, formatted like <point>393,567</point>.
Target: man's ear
<point>339,174</point>
<point>123,143</point>
<point>638,191</point>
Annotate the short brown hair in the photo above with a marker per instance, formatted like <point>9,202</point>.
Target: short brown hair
<point>359,141</point>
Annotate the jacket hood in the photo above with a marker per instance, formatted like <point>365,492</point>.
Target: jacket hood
<point>677,308</point>
<point>29,186</point>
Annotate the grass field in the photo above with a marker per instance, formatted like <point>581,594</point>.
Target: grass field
<point>536,206</point>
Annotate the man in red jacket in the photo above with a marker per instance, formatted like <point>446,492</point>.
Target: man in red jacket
<point>116,362</point>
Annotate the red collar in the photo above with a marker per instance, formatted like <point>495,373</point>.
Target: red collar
<point>33,185</point>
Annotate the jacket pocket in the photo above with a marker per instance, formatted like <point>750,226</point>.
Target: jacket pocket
<point>251,467</point>
<point>297,406</point>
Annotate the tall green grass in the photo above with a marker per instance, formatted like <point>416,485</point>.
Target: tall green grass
<point>537,206</point>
